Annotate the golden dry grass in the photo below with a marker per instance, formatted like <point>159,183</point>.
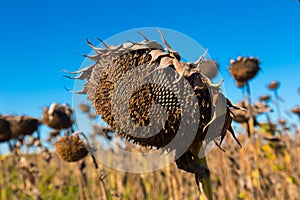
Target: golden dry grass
<point>260,170</point>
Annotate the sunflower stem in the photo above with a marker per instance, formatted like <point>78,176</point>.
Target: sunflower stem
<point>203,182</point>
<point>205,185</point>
<point>251,117</point>
<point>277,104</point>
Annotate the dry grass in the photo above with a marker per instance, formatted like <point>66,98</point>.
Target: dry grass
<point>260,170</point>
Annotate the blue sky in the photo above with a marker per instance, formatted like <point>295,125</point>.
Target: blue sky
<point>38,39</point>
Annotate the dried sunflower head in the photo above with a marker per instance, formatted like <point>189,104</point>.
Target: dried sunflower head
<point>243,116</point>
<point>152,98</point>
<point>116,69</point>
<point>22,125</point>
<point>265,98</point>
<point>274,85</point>
<point>243,69</point>
<point>85,108</point>
<point>296,110</point>
<point>71,148</point>
<point>58,116</point>
<point>261,107</point>
<point>282,122</point>
<point>5,132</point>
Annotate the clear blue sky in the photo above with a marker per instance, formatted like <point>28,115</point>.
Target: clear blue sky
<point>40,38</point>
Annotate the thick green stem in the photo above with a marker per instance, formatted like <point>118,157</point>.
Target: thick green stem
<point>205,182</point>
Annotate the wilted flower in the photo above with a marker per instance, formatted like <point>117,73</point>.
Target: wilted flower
<point>260,108</point>
<point>265,98</point>
<point>274,85</point>
<point>71,148</point>
<point>115,69</point>
<point>282,122</point>
<point>5,132</point>
<point>243,117</point>
<point>243,69</point>
<point>22,125</point>
<point>58,116</point>
<point>101,79</point>
<point>296,110</point>
<point>85,108</point>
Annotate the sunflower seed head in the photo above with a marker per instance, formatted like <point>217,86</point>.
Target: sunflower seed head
<point>244,69</point>
<point>58,116</point>
<point>71,148</point>
<point>115,63</point>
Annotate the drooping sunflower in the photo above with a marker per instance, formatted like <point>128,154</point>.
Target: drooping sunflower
<point>117,69</point>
